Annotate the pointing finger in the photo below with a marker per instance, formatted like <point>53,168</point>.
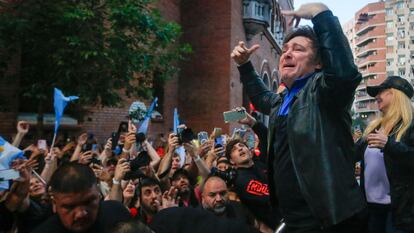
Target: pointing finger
<point>253,48</point>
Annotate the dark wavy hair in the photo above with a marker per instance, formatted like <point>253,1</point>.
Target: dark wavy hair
<point>306,31</point>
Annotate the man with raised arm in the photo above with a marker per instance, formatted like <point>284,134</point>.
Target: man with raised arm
<point>310,147</point>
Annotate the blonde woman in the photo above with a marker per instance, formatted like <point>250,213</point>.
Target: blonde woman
<point>387,152</point>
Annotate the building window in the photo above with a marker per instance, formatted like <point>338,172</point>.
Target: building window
<point>412,54</point>
<point>390,49</point>
<point>390,37</point>
<point>401,60</point>
<point>390,24</point>
<point>389,11</point>
<point>266,80</point>
<point>412,40</point>
<point>400,5</point>
<point>412,11</point>
<point>401,45</point>
<point>401,33</point>
<point>389,62</point>
<point>401,19</point>
<point>390,73</point>
<point>401,72</point>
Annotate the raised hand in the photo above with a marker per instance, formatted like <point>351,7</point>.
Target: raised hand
<point>129,140</point>
<point>23,127</point>
<point>172,141</point>
<point>121,169</point>
<point>85,157</point>
<point>169,199</point>
<point>82,139</point>
<point>205,148</point>
<point>248,120</point>
<point>305,11</point>
<point>241,53</point>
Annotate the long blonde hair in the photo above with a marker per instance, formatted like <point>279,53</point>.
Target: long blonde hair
<point>397,119</point>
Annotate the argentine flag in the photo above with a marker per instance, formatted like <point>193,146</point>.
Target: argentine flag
<point>8,153</point>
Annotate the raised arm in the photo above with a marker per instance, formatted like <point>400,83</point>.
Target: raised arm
<point>166,160</point>
<point>155,159</point>
<point>341,76</point>
<point>22,129</point>
<point>261,97</point>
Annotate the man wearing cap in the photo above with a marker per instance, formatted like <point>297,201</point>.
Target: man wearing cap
<point>182,181</point>
<point>387,158</point>
<point>310,147</point>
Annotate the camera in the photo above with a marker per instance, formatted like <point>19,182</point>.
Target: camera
<point>185,135</point>
<point>229,176</point>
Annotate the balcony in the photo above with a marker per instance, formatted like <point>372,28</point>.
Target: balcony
<point>366,107</point>
<point>365,29</point>
<point>364,40</point>
<point>256,16</point>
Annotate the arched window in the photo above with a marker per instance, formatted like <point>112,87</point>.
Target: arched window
<point>266,80</point>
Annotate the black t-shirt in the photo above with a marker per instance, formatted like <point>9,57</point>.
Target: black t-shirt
<point>109,214</point>
<point>251,185</point>
<point>293,207</point>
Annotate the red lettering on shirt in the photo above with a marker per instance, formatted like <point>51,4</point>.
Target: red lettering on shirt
<point>257,188</point>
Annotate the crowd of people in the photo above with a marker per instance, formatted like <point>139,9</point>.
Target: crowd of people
<point>297,174</point>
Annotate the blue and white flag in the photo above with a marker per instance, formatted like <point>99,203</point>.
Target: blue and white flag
<point>60,102</point>
<point>8,153</point>
<point>143,128</point>
<point>176,121</point>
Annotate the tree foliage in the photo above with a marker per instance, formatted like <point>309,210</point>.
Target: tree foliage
<point>97,49</point>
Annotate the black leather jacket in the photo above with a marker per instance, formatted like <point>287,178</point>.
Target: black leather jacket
<point>399,164</point>
<point>319,123</point>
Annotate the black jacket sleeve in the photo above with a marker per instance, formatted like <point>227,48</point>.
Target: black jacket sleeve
<point>261,97</point>
<point>261,131</point>
<point>340,74</point>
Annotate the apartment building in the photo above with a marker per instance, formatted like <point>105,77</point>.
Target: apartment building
<point>366,34</point>
<point>399,20</point>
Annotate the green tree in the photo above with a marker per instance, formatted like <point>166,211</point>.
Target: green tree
<point>97,49</point>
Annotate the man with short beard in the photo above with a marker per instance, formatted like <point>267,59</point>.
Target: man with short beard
<point>150,196</point>
<point>214,198</point>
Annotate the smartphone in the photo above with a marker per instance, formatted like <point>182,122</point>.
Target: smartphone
<point>202,137</point>
<point>239,133</point>
<point>217,132</point>
<point>250,141</point>
<point>123,127</point>
<point>115,139</point>
<point>9,174</point>
<point>41,144</point>
<point>231,116</point>
<point>94,148</point>
<point>218,142</point>
<point>87,147</point>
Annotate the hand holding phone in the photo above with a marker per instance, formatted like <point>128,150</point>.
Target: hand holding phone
<point>234,115</point>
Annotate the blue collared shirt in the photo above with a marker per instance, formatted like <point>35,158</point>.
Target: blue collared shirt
<point>297,86</point>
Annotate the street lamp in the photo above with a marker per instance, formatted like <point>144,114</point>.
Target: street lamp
<point>256,16</point>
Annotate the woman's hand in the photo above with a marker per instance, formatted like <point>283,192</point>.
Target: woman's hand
<point>377,139</point>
